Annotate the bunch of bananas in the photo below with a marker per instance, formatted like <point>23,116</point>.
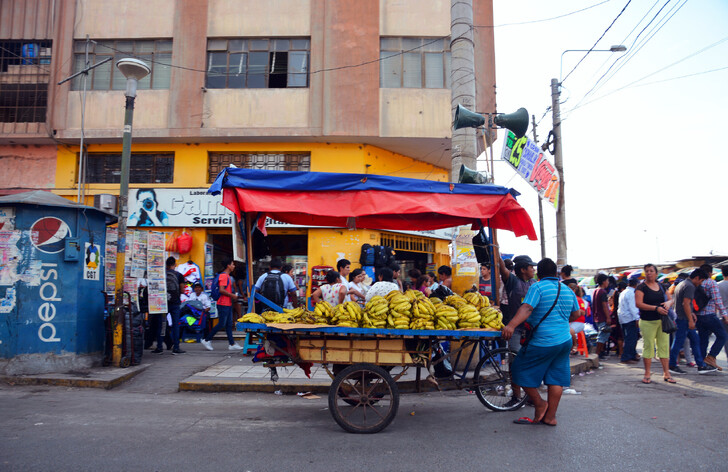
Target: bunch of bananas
<point>324,310</point>
<point>456,300</point>
<point>310,317</point>
<point>446,317</point>
<point>468,317</point>
<point>348,314</point>
<point>477,300</point>
<point>399,310</point>
<point>275,317</point>
<point>251,318</point>
<point>435,301</point>
<point>375,313</point>
<point>295,313</point>
<point>491,317</point>
<point>423,314</point>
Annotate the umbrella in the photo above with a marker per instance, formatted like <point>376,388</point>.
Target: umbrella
<point>671,276</point>
<point>587,281</point>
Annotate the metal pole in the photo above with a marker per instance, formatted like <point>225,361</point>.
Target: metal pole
<point>558,163</point>
<point>123,211</point>
<point>81,197</point>
<point>540,203</point>
<point>462,74</point>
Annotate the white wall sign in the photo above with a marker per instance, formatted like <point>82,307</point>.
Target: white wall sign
<point>177,207</point>
<point>91,262</point>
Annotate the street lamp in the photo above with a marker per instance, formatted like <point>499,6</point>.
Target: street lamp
<point>558,160</point>
<point>134,70</point>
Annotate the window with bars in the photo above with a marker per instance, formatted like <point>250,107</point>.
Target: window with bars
<point>24,75</point>
<point>404,242</point>
<point>288,161</point>
<point>156,53</point>
<point>414,63</point>
<point>144,169</point>
<point>257,63</point>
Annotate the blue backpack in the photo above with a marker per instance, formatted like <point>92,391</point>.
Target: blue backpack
<point>215,288</point>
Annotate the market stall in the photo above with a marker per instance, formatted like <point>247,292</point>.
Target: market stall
<point>382,202</point>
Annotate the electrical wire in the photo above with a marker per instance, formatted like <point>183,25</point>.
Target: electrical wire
<point>544,19</point>
<point>597,41</point>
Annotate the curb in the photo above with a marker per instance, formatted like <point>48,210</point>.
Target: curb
<point>105,380</point>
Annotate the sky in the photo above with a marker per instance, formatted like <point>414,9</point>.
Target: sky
<point>644,164</point>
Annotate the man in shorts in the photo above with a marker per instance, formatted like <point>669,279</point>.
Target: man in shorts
<point>547,308</point>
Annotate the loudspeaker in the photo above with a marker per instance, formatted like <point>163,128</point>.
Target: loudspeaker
<point>516,122</point>
<point>470,176</point>
<point>465,118</point>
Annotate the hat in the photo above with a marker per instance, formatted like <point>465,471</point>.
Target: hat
<point>523,260</point>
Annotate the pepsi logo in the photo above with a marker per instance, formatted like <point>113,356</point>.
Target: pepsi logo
<point>47,234</point>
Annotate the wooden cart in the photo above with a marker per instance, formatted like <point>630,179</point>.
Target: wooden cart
<point>363,397</point>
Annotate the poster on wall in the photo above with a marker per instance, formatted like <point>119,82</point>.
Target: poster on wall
<point>139,255</point>
<point>110,259</point>
<point>92,262</point>
<point>465,262</point>
<point>209,270</point>
<point>176,207</point>
<point>7,218</point>
<point>238,246</point>
<point>156,274</point>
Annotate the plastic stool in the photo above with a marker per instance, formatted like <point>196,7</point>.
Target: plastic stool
<point>249,343</point>
<point>581,346</point>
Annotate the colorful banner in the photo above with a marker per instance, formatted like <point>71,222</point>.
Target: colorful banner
<point>530,162</point>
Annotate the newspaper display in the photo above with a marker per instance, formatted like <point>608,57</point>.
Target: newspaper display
<point>138,261</point>
<point>112,235</point>
<point>156,275</point>
<point>209,272</point>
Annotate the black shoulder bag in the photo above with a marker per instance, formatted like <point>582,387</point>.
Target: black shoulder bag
<point>528,335</point>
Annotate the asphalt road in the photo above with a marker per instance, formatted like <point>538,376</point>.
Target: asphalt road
<point>616,423</point>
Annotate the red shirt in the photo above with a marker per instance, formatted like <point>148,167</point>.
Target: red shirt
<point>582,306</point>
<point>226,282</point>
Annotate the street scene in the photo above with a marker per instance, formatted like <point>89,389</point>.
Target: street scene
<point>336,234</point>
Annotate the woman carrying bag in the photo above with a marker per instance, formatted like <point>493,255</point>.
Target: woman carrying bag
<point>653,303</point>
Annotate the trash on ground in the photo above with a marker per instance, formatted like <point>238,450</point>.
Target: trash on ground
<point>278,392</point>
<point>571,391</point>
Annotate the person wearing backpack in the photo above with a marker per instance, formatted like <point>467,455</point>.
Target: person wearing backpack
<point>277,286</point>
<point>222,288</point>
<point>175,287</point>
<point>709,319</point>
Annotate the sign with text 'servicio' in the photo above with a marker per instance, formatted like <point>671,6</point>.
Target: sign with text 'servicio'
<point>177,207</point>
<point>530,162</point>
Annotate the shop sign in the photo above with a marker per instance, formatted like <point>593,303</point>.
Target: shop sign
<point>530,162</point>
<point>177,207</point>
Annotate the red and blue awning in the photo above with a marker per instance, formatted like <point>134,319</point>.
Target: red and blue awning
<point>369,201</point>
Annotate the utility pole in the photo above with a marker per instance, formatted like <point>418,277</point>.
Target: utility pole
<point>540,203</point>
<point>462,82</point>
<point>559,164</point>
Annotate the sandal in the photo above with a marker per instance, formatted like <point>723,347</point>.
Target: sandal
<point>646,380</point>
<point>669,380</point>
<point>525,420</point>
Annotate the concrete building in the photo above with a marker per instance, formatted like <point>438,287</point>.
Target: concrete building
<point>356,86</point>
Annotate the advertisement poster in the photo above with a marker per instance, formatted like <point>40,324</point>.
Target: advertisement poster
<point>238,246</point>
<point>110,259</point>
<point>465,262</point>
<point>130,287</point>
<point>139,255</point>
<point>209,270</point>
<point>176,207</point>
<point>92,262</point>
<point>531,163</point>
<point>7,219</point>
<point>156,274</point>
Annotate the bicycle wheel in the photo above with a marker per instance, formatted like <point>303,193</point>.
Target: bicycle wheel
<point>492,381</point>
<point>363,398</point>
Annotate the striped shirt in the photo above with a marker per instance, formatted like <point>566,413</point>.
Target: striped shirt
<point>554,330</point>
<point>715,304</point>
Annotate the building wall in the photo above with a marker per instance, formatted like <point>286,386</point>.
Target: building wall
<point>27,167</point>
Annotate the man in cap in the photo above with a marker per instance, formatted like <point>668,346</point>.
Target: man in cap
<point>516,286</point>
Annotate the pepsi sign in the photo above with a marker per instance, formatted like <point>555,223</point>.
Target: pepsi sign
<point>48,234</point>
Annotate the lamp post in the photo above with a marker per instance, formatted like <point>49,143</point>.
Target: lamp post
<point>134,70</point>
<point>558,158</point>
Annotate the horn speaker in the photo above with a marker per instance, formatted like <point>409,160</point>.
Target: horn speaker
<point>465,118</point>
<point>516,122</point>
<point>470,176</point>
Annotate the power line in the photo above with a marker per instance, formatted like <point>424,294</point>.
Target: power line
<point>544,19</point>
<point>597,41</point>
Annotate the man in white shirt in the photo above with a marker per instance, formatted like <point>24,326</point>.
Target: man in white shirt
<point>384,285</point>
<point>200,296</point>
<point>629,317</point>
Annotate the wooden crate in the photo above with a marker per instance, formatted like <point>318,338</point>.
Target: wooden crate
<point>352,351</point>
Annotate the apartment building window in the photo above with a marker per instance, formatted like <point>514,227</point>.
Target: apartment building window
<point>145,168</point>
<point>24,75</point>
<point>156,53</point>
<point>257,63</point>
<point>414,63</point>
<point>297,161</point>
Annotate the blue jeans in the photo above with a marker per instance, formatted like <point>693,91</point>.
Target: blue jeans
<point>174,312</point>
<point>706,325</point>
<point>679,340</point>
<point>629,350</point>
<point>224,320</point>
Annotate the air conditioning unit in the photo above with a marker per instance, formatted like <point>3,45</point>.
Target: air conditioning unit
<point>106,202</point>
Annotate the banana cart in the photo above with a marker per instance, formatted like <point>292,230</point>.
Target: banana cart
<point>363,397</point>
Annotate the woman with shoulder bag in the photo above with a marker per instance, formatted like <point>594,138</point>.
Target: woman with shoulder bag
<point>653,303</point>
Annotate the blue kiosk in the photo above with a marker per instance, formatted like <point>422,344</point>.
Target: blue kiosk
<point>51,283</point>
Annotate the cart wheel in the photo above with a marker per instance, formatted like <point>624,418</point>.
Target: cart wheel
<point>125,362</point>
<point>493,381</point>
<point>363,399</point>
